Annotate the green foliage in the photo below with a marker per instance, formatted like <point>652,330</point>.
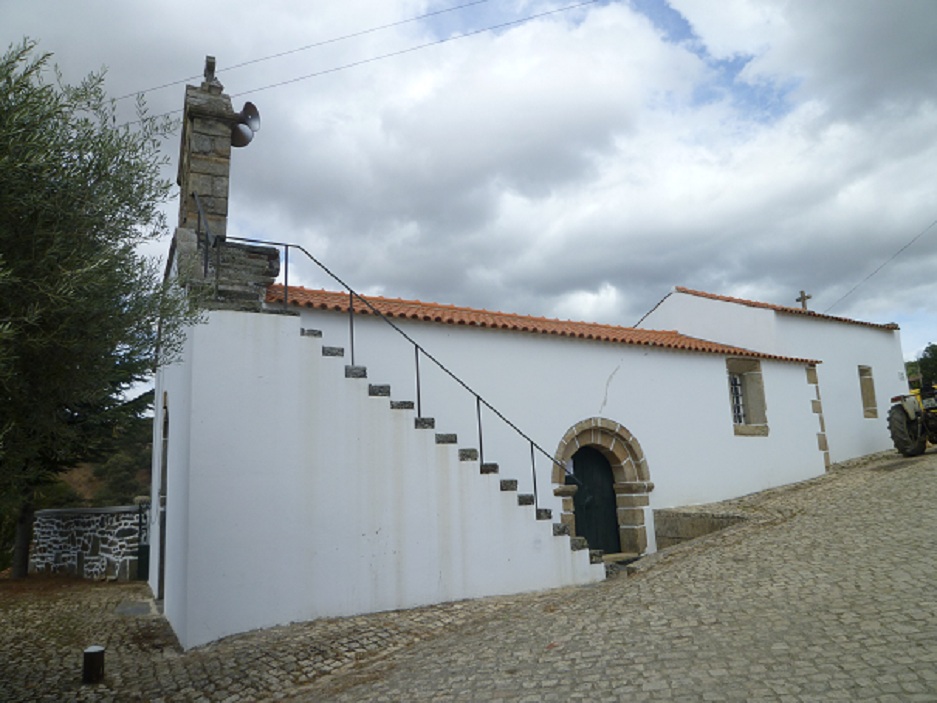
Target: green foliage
<point>912,372</point>
<point>125,474</point>
<point>927,365</point>
<point>80,309</point>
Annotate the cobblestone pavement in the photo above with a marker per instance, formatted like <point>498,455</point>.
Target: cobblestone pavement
<point>826,593</point>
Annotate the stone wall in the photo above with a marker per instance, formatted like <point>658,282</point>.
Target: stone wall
<point>673,526</point>
<point>93,543</point>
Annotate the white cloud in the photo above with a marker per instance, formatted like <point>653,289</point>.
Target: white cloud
<point>735,27</point>
<point>601,304</point>
<point>578,165</point>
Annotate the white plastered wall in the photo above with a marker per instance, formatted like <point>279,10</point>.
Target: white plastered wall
<point>846,347</point>
<point>295,495</point>
<point>676,404</point>
<point>174,383</point>
<point>841,347</point>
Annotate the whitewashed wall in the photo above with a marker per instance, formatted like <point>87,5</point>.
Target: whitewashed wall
<point>175,383</point>
<point>675,403</point>
<point>840,346</point>
<point>294,495</point>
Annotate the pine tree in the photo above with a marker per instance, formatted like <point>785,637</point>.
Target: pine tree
<point>81,310</point>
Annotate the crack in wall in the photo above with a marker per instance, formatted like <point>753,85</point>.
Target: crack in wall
<point>608,383</point>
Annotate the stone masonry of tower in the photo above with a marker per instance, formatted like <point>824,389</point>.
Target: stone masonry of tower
<point>228,275</point>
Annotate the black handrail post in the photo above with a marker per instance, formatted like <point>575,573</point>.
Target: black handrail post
<point>533,473</point>
<point>478,414</point>
<point>419,406</point>
<point>286,276</point>
<point>351,324</point>
<point>217,268</point>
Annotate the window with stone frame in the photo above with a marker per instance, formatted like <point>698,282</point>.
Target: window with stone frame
<point>867,389</point>
<point>747,397</point>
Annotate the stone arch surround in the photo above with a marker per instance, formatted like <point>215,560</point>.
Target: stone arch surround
<point>630,475</point>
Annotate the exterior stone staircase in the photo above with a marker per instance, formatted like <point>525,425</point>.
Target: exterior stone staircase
<point>237,277</point>
<point>467,455</point>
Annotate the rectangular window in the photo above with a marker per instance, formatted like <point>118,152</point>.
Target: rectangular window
<point>738,398</point>
<point>867,388</point>
<point>747,397</point>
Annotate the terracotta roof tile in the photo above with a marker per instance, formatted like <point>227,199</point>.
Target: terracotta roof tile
<point>785,309</point>
<point>454,315</point>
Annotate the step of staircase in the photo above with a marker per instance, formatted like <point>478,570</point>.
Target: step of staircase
<point>620,557</point>
<point>469,454</point>
<point>617,563</point>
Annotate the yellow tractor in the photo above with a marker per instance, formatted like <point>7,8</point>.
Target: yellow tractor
<point>912,421</point>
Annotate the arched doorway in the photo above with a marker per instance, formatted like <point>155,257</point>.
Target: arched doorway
<point>594,501</point>
<point>601,448</point>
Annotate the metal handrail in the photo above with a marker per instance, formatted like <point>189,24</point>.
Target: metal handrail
<point>418,349</point>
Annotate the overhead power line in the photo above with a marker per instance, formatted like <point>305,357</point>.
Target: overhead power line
<point>418,47</point>
<point>314,45</point>
<point>882,265</point>
<point>391,54</point>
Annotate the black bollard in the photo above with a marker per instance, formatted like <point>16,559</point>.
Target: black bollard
<point>93,670</point>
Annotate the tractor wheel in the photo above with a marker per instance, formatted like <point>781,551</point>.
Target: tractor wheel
<point>907,435</point>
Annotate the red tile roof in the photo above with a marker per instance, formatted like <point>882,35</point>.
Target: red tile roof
<point>785,309</point>
<point>453,315</point>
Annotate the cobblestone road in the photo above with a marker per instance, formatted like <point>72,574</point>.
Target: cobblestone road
<point>827,593</point>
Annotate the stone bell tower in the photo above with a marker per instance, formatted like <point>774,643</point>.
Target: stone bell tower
<point>234,275</point>
<point>205,154</point>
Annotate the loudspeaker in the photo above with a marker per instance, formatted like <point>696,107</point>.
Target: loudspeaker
<point>248,122</point>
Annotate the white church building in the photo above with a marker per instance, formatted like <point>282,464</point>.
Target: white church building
<point>312,460</point>
<point>862,369</point>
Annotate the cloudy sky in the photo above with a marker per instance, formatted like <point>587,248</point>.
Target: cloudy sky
<point>578,164</point>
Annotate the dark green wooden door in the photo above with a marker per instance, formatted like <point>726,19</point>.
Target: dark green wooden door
<point>594,502</point>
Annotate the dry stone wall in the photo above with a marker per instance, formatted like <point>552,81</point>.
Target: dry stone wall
<point>93,543</point>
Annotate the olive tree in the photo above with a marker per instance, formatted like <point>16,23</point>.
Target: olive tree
<point>81,310</point>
